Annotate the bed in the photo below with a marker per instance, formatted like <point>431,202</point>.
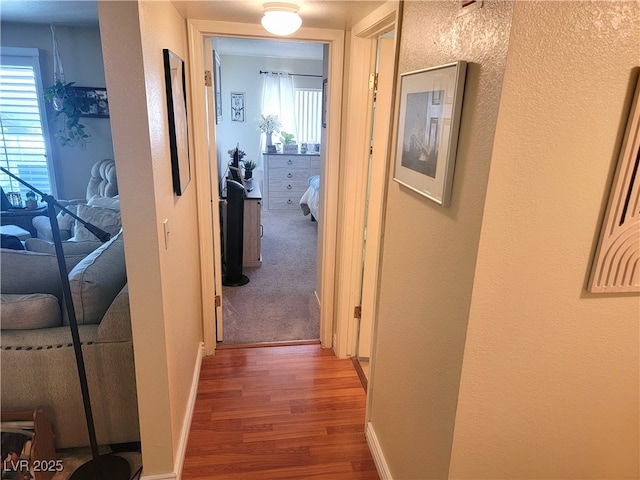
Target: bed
<point>310,201</point>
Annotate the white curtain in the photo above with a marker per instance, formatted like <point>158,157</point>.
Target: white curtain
<point>278,99</point>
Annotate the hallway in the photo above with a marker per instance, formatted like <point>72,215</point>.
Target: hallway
<point>278,413</point>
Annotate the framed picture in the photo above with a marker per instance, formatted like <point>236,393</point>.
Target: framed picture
<point>95,101</point>
<point>217,86</point>
<point>177,109</point>
<point>428,126</point>
<point>324,102</point>
<point>237,107</point>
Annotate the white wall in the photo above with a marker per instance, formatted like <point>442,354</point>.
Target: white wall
<point>81,53</point>
<point>164,281</point>
<point>429,252</point>
<point>242,74</point>
<point>492,361</point>
<point>549,384</point>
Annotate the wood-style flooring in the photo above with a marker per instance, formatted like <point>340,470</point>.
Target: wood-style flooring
<point>286,412</point>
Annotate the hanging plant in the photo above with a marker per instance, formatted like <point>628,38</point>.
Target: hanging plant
<point>68,104</point>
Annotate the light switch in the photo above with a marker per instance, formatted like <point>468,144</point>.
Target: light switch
<point>165,224</point>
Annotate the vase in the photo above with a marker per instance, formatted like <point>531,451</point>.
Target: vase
<point>248,174</point>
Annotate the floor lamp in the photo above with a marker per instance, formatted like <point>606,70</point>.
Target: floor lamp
<point>100,467</point>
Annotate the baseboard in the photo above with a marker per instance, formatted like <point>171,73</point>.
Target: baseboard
<point>376,453</point>
<point>161,476</point>
<point>186,425</point>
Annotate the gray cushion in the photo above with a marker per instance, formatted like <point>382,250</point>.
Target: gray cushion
<point>107,219</point>
<point>69,248</point>
<point>26,312</point>
<point>32,272</point>
<point>96,281</point>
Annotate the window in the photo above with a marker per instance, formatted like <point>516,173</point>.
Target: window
<point>308,105</point>
<point>22,137</point>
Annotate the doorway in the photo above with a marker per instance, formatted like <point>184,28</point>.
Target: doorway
<point>381,113</point>
<point>252,77</point>
<point>207,145</point>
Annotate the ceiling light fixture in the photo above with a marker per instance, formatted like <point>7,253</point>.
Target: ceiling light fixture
<point>281,18</point>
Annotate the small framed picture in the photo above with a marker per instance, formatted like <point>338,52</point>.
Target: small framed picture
<point>325,99</point>
<point>428,126</point>
<point>217,86</point>
<point>237,107</point>
<point>94,103</point>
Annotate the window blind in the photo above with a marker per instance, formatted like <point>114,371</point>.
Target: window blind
<point>22,141</point>
<point>308,105</point>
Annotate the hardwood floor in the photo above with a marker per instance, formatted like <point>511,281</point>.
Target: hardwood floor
<point>285,412</point>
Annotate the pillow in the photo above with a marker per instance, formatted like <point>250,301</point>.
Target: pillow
<point>32,272</point>
<point>66,221</point>
<point>26,312</point>
<point>104,202</point>
<point>96,281</point>
<point>107,219</point>
<point>69,248</point>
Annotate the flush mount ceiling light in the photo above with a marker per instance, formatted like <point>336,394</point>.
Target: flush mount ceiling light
<point>281,18</point>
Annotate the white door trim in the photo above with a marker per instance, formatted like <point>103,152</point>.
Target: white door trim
<point>363,45</point>
<point>198,31</point>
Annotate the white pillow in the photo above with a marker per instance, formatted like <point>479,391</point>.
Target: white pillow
<point>105,202</point>
<point>105,218</point>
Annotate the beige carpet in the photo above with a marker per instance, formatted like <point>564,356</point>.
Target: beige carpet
<point>279,302</point>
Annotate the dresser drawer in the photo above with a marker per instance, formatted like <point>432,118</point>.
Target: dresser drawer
<point>288,161</point>
<point>288,188</point>
<point>289,175</point>
<point>278,202</point>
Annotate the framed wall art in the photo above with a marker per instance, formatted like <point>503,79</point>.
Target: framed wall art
<point>428,126</point>
<point>217,86</point>
<point>324,102</point>
<point>237,107</point>
<point>95,101</point>
<point>177,109</point>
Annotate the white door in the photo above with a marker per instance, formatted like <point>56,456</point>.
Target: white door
<point>377,174</point>
<point>215,194</point>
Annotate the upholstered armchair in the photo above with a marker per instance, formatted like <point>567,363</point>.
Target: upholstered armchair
<point>101,207</point>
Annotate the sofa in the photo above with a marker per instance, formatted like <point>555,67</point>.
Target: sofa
<point>38,365</point>
<point>100,207</point>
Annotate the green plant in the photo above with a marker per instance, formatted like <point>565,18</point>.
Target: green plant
<point>67,103</point>
<point>249,165</point>
<point>287,138</point>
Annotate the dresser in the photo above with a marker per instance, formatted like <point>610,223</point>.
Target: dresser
<point>287,178</point>
<point>252,226</point>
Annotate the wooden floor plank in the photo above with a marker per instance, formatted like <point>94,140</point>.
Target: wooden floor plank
<point>284,412</point>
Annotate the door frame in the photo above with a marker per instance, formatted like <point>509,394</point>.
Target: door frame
<point>363,45</point>
<point>208,234</point>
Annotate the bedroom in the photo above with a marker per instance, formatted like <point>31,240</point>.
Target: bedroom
<point>280,245</point>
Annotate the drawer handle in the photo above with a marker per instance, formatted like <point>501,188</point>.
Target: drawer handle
<point>289,187</point>
<point>289,202</point>
<point>289,162</point>
<point>289,175</point>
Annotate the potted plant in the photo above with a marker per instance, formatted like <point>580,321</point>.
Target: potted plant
<point>70,106</point>
<point>249,165</point>
<point>289,141</point>
<point>269,124</point>
<point>31,203</point>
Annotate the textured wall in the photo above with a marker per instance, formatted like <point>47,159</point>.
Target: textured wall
<point>164,283</point>
<point>429,251</point>
<point>550,378</point>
